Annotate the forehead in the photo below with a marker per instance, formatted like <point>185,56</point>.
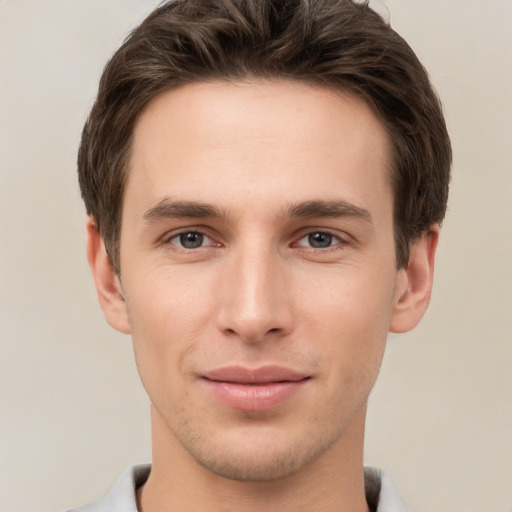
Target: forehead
<point>236,142</point>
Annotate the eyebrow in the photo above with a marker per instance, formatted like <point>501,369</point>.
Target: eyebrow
<point>169,209</point>
<point>334,209</point>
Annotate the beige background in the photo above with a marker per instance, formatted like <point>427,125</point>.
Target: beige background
<point>73,415</point>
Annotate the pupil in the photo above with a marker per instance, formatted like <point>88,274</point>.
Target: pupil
<point>320,240</point>
<point>191,240</point>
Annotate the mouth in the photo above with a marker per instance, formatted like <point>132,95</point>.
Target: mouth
<point>254,390</point>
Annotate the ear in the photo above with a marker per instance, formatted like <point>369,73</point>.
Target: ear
<point>414,284</point>
<point>108,285</point>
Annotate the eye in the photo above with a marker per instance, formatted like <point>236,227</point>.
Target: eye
<point>191,240</point>
<point>319,240</point>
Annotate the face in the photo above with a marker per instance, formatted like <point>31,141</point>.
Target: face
<point>258,270</point>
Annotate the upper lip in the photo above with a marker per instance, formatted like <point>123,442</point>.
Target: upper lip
<point>262,374</point>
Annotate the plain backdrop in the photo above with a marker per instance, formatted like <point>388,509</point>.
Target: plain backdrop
<point>73,415</point>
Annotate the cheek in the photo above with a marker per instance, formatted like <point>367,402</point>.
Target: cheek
<point>167,300</point>
<point>349,300</point>
<point>348,322</point>
<point>167,314</point>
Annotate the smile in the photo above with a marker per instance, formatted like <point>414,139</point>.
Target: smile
<point>254,390</point>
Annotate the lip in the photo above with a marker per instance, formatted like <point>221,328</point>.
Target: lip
<point>254,389</point>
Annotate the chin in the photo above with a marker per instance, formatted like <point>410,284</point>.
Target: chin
<point>250,460</point>
<point>255,468</point>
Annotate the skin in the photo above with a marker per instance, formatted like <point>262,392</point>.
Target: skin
<point>254,291</point>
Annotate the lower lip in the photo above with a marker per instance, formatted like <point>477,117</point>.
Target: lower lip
<point>254,397</point>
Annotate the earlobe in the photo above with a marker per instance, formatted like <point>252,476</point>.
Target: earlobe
<point>414,284</point>
<point>108,285</point>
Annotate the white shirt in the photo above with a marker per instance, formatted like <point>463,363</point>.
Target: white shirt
<point>381,493</point>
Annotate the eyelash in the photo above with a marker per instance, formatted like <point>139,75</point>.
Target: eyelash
<point>176,236</point>
<point>337,241</point>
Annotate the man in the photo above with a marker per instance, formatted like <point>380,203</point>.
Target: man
<point>265,182</point>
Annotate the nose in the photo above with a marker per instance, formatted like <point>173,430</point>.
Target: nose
<point>255,302</point>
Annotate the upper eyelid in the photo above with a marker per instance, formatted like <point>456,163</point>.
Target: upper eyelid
<point>342,235</point>
<point>169,235</point>
<point>179,233</point>
<point>339,238</point>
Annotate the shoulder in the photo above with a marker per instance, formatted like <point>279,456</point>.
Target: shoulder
<point>122,496</point>
<point>381,493</point>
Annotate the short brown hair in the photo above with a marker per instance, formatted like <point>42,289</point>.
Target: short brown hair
<point>332,43</point>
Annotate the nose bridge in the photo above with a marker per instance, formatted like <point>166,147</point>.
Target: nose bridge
<point>253,300</point>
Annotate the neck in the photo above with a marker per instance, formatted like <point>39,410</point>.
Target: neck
<point>333,482</point>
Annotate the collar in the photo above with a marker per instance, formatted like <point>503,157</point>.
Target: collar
<point>381,493</point>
